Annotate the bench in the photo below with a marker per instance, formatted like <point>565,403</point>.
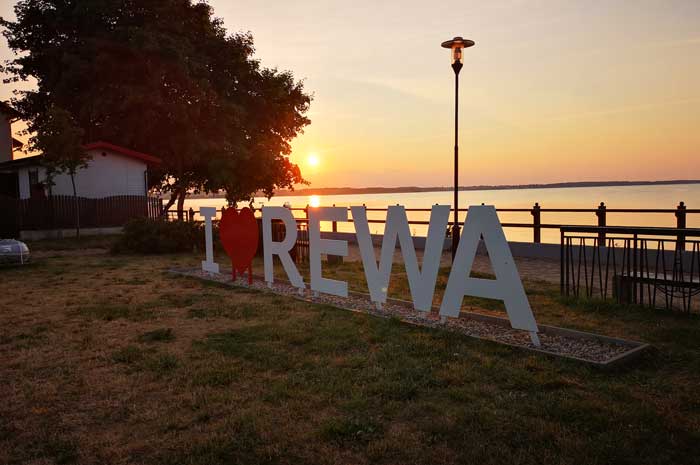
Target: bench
<point>670,287</point>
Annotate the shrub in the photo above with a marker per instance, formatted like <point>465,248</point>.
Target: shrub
<point>149,236</point>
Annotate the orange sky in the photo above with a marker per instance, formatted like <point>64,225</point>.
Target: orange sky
<point>553,90</point>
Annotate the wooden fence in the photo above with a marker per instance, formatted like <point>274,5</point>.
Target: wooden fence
<point>61,211</point>
<point>680,213</point>
<point>601,212</point>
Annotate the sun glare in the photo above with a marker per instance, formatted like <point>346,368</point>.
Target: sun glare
<point>314,201</point>
<point>313,160</point>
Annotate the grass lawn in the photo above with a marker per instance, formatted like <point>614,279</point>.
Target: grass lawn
<point>109,359</point>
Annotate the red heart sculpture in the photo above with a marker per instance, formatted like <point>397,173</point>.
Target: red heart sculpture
<point>238,232</point>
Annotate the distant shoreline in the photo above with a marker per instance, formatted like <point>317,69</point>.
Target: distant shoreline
<point>413,189</point>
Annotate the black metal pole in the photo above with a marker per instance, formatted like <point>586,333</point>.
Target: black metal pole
<point>456,66</point>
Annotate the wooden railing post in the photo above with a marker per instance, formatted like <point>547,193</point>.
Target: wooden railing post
<point>681,224</point>
<point>335,225</point>
<point>536,223</point>
<point>602,222</point>
<point>562,265</point>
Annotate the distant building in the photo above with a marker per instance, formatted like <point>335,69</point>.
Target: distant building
<point>8,144</point>
<point>111,171</point>
<point>112,189</point>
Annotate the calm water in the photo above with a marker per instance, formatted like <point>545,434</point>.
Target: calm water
<point>666,197</point>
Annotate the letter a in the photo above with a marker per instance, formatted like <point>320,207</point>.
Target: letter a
<point>483,221</point>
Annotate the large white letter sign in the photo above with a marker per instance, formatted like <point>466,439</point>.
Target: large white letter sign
<point>281,249</point>
<point>317,246</point>
<point>209,264</point>
<point>422,284</point>
<point>482,220</point>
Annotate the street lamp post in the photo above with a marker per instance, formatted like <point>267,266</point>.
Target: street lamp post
<point>456,45</point>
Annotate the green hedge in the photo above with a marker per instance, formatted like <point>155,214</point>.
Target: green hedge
<point>148,236</point>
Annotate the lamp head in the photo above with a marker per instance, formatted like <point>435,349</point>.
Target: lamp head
<point>457,46</point>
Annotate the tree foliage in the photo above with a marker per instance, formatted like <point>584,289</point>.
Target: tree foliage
<point>164,77</point>
<point>58,137</point>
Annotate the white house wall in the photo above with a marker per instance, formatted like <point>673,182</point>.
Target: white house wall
<point>23,179</point>
<point>105,176</point>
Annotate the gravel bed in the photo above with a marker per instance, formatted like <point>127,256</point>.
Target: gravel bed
<point>590,349</point>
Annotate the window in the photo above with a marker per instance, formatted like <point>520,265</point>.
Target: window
<point>36,188</point>
<point>33,178</point>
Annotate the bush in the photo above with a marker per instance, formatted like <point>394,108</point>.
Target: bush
<point>148,236</point>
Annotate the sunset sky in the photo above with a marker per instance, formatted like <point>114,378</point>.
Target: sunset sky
<point>553,90</point>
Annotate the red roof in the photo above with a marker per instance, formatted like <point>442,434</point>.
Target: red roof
<point>123,151</point>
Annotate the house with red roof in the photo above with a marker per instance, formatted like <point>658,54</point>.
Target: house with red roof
<point>111,189</point>
<point>111,171</point>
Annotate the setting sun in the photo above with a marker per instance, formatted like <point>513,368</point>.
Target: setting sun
<point>313,160</point>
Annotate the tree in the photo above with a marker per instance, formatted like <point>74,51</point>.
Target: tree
<point>164,77</point>
<point>60,140</point>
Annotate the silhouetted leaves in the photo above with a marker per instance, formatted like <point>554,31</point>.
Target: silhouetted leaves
<point>163,77</point>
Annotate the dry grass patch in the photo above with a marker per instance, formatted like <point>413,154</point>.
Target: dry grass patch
<point>109,359</point>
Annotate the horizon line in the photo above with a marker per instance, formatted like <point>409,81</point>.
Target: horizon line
<point>409,189</point>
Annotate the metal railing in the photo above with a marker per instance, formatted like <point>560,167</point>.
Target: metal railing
<point>601,213</point>
<point>654,267</point>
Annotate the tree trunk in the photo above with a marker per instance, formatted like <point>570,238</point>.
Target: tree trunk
<point>171,201</point>
<point>77,206</point>
<point>181,205</point>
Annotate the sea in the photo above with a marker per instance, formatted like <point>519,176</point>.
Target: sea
<point>614,197</point>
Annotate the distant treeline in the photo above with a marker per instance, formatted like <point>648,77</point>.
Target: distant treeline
<point>410,189</point>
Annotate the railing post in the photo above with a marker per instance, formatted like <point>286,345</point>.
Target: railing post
<point>562,265</point>
<point>634,269</point>
<point>191,214</point>
<point>335,225</point>
<point>681,224</point>
<point>536,223</point>
<point>602,222</point>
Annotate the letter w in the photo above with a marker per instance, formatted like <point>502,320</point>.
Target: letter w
<point>421,283</point>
